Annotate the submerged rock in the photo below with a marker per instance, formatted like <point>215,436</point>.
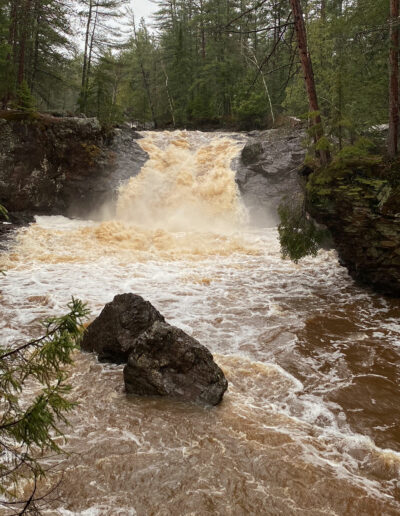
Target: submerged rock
<point>112,335</point>
<point>165,361</point>
<point>160,359</point>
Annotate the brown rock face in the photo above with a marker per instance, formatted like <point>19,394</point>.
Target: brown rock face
<point>165,361</point>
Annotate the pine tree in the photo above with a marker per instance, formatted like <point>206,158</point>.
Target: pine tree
<point>24,99</point>
<point>33,403</point>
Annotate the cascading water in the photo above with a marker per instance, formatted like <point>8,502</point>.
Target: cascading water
<point>309,425</point>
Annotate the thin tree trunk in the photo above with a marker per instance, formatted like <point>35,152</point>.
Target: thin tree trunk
<point>85,53</point>
<point>22,43</point>
<point>11,55</point>
<point>145,81</point>
<point>89,61</point>
<point>170,101</point>
<point>323,10</point>
<point>36,44</point>
<point>202,31</point>
<point>254,60</point>
<point>394,79</point>
<point>306,64</point>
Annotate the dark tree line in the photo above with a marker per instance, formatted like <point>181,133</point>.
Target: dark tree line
<point>238,63</point>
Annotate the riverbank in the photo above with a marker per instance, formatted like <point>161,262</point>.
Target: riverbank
<point>67,166</point>
<point>358,199</point>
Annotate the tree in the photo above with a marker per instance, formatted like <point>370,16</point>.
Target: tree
<point>100,36</point>
<point>394,79</point>
<point>298,234</point>
<point>308,72</point>
<point>33,403</point>
<point>24,99</point>
<point>36,48</point>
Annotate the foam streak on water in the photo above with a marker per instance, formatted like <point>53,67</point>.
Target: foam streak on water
<point>309,425</point>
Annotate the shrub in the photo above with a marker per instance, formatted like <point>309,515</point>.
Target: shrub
<point>299,236</point>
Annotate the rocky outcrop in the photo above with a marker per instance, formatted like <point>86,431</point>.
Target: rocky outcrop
<point>165,361</point>
<point>268,170</point>
<point>160,359</point>
<point>359,201</point>
<point>113,333</point>
<point>67,166</point>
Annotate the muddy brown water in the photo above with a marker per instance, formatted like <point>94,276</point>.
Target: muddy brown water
<point>310,424</point>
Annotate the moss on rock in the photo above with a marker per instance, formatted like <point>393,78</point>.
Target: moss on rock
<point>358,199</point>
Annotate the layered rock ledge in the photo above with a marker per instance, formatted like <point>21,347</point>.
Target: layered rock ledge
<point>359,202</point>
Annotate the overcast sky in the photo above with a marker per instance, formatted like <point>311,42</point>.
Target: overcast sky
<point>143,9</point>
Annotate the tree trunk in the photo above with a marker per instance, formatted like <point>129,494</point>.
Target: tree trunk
<point>22,42</point>
<point>394,79</point>
<point>170,101</point>
<point>85,92</point>
<point>144,76</point>
<point>306,65</point>
<point>36,37</point>
<point>85,53</point>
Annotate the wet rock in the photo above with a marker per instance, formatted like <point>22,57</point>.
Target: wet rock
<point>112,335</point>
<point>268,170</point>
<point>361,208</point>
<point>63,166</point>
<point>161,360</point>
<point>165,361</point>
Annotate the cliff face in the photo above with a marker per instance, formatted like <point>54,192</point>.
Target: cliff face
<point>359,201</point>
<point>65,166</point>
<point>268,171</point>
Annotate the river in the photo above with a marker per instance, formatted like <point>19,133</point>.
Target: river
<point>310,424</point>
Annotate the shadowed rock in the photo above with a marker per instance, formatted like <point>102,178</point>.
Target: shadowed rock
<point>113,333</point>
<point>63,166</point>
<point>165,361</point>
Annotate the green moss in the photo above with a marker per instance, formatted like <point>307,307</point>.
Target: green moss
<point>92,152</point>
<point>3,213</point>
<point>15,115</point>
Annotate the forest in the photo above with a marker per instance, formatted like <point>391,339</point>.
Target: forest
<point>197,63</point>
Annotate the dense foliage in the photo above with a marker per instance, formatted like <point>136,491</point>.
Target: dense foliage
<point>298,234</point>
<point>200,62</point>
<point>33,403</point>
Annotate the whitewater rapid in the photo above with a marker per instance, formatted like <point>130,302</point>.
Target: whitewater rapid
<point>309,425</point>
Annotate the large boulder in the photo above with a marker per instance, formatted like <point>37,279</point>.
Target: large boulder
<point>165,361</point>
<point>267,171</point>
<point>112,335</point>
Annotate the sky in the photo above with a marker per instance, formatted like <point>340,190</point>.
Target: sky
<point>143,9</point>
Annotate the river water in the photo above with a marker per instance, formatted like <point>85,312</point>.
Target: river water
<point>310,423</point>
